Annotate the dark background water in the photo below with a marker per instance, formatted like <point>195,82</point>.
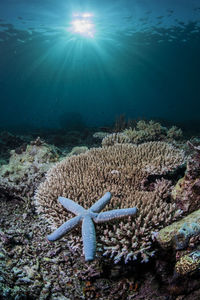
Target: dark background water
<point>143,62</point>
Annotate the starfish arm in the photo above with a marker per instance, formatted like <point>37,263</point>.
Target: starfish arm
<point>89,238</point>
<point>71,205</point>
<point>101,203</point>
<point>64,228</point>
<point>115,214</point>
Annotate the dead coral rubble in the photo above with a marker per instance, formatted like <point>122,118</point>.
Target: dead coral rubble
<point>119,169</point>
<point>26,168</point>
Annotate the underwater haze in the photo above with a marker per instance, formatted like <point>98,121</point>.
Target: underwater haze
<point>98,59</point>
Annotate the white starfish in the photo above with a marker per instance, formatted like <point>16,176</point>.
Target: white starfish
<point>87,217</point>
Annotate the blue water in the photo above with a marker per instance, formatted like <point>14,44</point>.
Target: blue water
<point>143,60</point>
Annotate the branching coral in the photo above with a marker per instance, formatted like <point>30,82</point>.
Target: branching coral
<point>144,132</point>
<point>87,217</point>
<point>119,169</point>
<point>115,138</point>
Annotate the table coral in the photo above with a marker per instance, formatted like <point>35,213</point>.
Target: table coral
<point>119,169</point>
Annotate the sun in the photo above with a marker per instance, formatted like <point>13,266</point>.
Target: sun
<point>82,24</point>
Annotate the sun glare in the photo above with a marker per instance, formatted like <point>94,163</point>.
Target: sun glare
<point>82,24</point>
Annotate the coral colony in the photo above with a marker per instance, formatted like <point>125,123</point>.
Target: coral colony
<point>120,169</point>
<point>87,217</point>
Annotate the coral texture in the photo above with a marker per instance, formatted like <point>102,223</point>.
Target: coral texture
<point>119,169</point>
<point>115,138</point>
<point>144,132</point>
<point>26,168</point>
<point>87,217</point>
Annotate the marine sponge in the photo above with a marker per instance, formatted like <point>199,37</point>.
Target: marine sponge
<point>119,169</point>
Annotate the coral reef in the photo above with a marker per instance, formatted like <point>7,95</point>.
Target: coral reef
<point>119,169</point>
<point>31,268</point>
<point>100,135</point>
<point>87,217</point>
<point>186,193</point>
<point>178,234</point>
<point>26,168</point>
<point>144,132</point>
<point>10,141</point>
<point>188,263</point>
<point>115,138</point>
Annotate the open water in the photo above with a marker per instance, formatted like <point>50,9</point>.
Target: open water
<point>90,61</point>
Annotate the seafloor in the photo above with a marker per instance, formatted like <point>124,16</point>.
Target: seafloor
<point>33,268</point>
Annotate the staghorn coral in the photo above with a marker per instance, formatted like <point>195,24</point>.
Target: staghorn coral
<point>119,169</point>
<point>144,132</point>
<point>26,168</point>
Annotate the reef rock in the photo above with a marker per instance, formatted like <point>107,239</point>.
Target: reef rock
<point>178,234</point>
<point>26,168</point>
<point>186,193</point>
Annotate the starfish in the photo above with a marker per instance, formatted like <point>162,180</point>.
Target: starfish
<point>87,216</point>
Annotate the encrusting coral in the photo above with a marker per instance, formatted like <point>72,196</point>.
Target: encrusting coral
<point>178,234</point>
<point>87,217</point>
<point>119,169</point>
<point>26,167</point>
<point>188,263</point>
